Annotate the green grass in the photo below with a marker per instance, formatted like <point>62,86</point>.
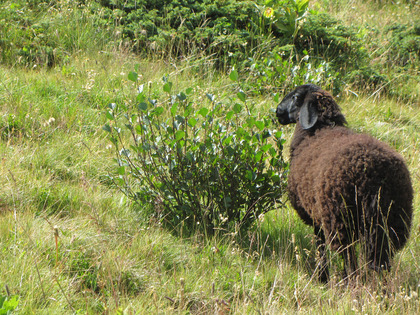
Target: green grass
<point>54,158</point>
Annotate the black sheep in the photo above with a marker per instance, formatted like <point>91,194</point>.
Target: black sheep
<point>351,187</point>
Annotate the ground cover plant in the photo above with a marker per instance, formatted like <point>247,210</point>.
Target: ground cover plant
<point>72,242</point>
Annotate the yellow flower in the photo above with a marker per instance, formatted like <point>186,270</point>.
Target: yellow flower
<point>269,12</point>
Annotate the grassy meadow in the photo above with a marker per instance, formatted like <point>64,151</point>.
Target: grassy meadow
<point>71,242</point>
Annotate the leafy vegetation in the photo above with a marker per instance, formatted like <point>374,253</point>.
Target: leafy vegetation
<point>8,304</point>
<point>404,49</point>
<point>224,33</point>
<point>209,166</point>
<point>72,242</point>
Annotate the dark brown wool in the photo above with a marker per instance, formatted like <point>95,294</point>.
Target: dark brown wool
<point>350,187</point>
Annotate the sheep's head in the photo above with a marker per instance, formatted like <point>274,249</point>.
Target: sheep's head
<point>308,104</point>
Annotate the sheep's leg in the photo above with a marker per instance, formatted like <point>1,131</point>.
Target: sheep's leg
<point>350,260</point>
<point>379,251</point>
<point>378,247</point>
<point>323,273</point>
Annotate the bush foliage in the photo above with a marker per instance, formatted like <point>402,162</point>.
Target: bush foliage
<point>404,45</point>
<point>206,166</point>
<point>225,33</point>
<point>178,28</point>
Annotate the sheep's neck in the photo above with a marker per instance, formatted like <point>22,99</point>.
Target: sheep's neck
<point>299,136</point>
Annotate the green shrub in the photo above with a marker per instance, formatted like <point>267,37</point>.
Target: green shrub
<point>228,32</point>
<point>310,47</point>
<point>404,45</point>
<point>276,74</point>
<point>179,28</point>
<point>324,36</point>
<point>206,166</point>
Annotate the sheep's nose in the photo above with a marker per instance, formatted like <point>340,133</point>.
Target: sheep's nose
<point>280,111</point>
<point>282,116</point>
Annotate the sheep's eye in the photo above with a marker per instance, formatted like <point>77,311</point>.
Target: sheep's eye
<point>294,97</point>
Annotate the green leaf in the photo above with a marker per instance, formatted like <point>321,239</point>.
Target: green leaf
<point>181,96</point>
<point>179,135</point>
<point>250,122</point>
<point>110,116</point>
<point>229,115</point>
<point>192,122</point>
<point>266,147</point>
<point>158,111</point>
<point>107,128</point>
<point>167,87</point>
<point>234,75</point>
<point>302,5</point>
<point>174,109</point>
<point>260,125</point>
<point>140,97</point>
<point>273,152</point>
<point>203,112</point>
<point>142,106</point>
<point>250,175</point>
<point>227,140</point>
<point>241,95</point>
<point>121,170</point>
<point>133,76</point>
<point>8,304</point>
<point>237,108</point>
<point>189,90</point>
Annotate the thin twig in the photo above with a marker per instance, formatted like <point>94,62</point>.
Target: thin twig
<point>67,299</point>
<point>40,281</point>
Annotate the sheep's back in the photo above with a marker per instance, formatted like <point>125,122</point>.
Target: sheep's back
<point>337,171</point>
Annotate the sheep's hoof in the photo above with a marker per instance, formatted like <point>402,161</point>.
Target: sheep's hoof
<point>324,275</point>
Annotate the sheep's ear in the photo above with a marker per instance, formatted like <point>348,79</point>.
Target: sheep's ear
<point>308,115</point>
